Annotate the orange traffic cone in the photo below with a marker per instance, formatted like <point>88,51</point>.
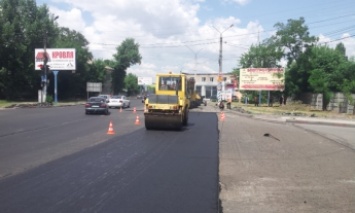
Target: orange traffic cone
<point>137,120</point>
<point>110,129</point>
<point>134,110</point>
<point>222,116</point>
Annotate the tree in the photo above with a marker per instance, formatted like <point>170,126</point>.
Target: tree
<point>294,37</point>
<point>131,84</point>
<point>23,27</point>
<point>348,83</point>
<point>295,41</point>
<point>126,56</point>
<point>327,69</point>
<point>266,55</point>
<point>341,49</point>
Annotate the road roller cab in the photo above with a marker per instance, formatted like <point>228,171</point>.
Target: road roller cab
<point>168,107</point>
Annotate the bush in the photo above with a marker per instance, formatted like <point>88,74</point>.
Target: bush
<point>49,99</point>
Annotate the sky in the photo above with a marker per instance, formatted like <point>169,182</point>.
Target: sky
<point>184,35</point>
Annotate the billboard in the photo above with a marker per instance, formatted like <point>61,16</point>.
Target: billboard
<point>93,87</point>
<point>268,79</point>
<point>58,59</point>
<point>145,80</point>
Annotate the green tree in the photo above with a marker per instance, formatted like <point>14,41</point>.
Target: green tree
<point>341,49</point>
<point>266,55</point>
<point>23,27</point>
<point>327,69</point>
<point>131,84</point>
<point>126,56</point>
<point>295,41</point>
<point>348,83</point>
<point>294,37</point>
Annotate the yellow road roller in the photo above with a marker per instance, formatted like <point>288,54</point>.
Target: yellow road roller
<point>169,107</point>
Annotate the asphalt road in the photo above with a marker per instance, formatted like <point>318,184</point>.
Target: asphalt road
<point>66,162</point>
<point>268,167</point>
<point>61,160</point>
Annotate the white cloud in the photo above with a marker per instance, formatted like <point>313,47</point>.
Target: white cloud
<point>72,19</point>
<point>346,39</point>
<point>240,2</point>
<point>170,34</point>
<point>349,43</point>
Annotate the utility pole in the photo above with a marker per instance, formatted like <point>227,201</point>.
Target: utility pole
<point>45,60</point>
<point>220,78</point>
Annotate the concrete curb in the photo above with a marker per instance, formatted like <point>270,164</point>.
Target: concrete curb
<point>298,120</point>
<point>331,122</point>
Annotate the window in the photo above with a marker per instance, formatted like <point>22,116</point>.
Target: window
<point>169,83</point>
<point>211,79</point>
<point>203,79</point>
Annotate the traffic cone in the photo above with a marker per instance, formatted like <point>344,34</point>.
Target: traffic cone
<point>137,121</point>
<point>134,110</point>
<point>110,129</point>
<point>120,109</point>
<point>221,117</point>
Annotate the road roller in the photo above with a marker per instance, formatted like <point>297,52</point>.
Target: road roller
<point>169,107</point>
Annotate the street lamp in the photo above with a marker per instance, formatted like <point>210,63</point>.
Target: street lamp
<point>219,87</point>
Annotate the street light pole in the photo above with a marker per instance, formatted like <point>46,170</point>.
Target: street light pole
<point>219,86</point>
<point>45,57</point>
<point>44,99</point>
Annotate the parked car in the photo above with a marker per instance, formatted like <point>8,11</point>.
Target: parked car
<point>96,105</point>
<point>119,101</point>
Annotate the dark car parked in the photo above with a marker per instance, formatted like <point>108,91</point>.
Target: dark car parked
<point>96,105</point>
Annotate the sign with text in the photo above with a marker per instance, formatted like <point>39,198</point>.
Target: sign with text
<point>57,59</point>
<point>268,79</point>
<point>145,80</point>
<point>93,87</point>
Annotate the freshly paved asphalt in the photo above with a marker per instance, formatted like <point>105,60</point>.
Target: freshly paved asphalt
<point>139,171</point>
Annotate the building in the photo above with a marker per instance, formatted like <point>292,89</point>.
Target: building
<point>206,84</point>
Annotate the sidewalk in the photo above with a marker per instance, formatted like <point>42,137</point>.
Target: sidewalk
<point>295,119</point>
<point>279,168</point>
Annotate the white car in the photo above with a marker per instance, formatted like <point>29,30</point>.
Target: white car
<point>120,101</point>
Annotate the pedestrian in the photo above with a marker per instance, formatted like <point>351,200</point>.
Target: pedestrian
<point>256,101</point>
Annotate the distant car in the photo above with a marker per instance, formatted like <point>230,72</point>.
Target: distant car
<point>119,101</point>
<point>105,96</point>
<point>139,97</point>
<point>96,105</point>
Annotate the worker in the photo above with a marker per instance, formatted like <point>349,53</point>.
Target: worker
<point>163,86</point>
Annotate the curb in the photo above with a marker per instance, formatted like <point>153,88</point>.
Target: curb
<point>297,120</point>
<point>341,123</point>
